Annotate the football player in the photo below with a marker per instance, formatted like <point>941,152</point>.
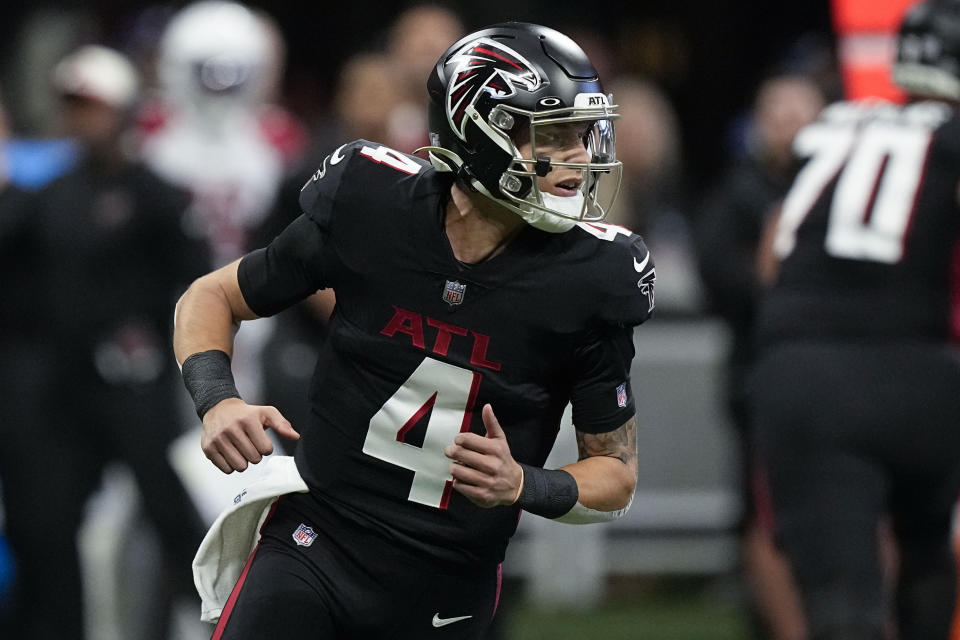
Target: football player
<point>107,225</point>
<point>855,392</point>
<point>478,292</point>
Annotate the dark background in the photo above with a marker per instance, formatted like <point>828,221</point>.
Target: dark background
<point>707,56</point>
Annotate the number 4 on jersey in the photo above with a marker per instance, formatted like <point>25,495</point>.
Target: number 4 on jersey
<point>444,395</point>
<point>391,158</point>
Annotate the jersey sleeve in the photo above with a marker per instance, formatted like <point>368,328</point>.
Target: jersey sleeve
<point>291,267</point>
<point>602,399</point>
<point>629,277</point>
<point>287,270</point>
<point>318,197</point>
<point>623,276</point>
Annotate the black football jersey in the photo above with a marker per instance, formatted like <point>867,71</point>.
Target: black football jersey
<point>868,233</point>
<point>419,342</point>
<point>115,237</point>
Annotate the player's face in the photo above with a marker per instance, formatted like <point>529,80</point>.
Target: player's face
<point>564,142</point>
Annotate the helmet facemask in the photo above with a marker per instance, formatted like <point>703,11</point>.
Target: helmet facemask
<point>498,97</point>
<point>534,146</point>
<point>561,157</point>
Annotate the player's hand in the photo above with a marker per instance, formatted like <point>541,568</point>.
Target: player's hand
<point>234,433</point>
<point>483,469</point>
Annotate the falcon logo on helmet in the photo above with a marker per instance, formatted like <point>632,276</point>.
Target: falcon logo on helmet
<point>485,65</point>
<point>519,84</point>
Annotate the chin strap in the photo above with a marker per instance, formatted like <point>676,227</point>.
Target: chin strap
<point>443,159</point>
<point>446,161</point>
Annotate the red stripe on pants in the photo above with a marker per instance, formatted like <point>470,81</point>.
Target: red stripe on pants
<point>232,600</point>
<point>496,602</point>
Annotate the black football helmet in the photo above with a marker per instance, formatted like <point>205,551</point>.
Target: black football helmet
<point>493,90</point>
<point>928,50</point>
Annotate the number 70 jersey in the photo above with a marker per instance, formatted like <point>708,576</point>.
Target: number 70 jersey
<point>420,342</point>
<point>868,232</point>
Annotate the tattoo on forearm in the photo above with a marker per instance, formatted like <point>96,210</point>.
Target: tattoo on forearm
<point>620,443</point>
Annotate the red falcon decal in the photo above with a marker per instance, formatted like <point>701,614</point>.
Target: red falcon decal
<point>485,65</point>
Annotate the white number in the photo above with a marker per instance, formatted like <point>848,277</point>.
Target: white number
<point>888,159</point>
<point>395,159</point>
<point>443,392</point>
<point>827,148</point>
<point>875,193</point>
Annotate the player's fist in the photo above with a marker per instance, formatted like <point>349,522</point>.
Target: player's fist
<point>483,469</point>
<point>234,433</point>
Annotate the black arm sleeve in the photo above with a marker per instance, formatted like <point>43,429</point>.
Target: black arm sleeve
<point>285,272</point>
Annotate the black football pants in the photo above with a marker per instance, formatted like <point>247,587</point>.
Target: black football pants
<point>340,582</point>
<point>849,433</point>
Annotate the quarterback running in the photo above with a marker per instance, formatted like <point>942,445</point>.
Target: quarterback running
<point>478,293</point>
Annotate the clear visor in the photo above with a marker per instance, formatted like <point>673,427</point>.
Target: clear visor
<point>570,155</point>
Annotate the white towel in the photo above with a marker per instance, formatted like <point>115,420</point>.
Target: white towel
<point>236,531</point>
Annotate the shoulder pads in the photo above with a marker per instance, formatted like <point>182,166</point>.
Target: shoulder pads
<point>374,167</point>
<point>625,271</point>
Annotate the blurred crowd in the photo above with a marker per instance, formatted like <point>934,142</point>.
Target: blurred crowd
<point>131,165</point>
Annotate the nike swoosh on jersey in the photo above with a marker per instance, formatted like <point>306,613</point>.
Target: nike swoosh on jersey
<point>442,622</point>
<point>639,266</point>
<point>335,157</point>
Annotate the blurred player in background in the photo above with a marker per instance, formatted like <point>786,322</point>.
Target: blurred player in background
<point>416,39</point>
<point>24,366</point>
<point>477,294</point>
<point>650,149</point>
<point>109,257</point>
<point>737,265</point>
<point>855,391</point>
<point>216,132</point>
<point>213,130</point>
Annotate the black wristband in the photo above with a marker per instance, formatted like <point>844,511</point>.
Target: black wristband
<point>547,493</point>
<point>209,379</point>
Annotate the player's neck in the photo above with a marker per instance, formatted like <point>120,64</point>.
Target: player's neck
<point>477,228</point>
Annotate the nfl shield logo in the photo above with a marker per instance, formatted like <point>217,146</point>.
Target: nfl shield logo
<point>453,292</point>
<point>622,395</point>
<point>304,535</point>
